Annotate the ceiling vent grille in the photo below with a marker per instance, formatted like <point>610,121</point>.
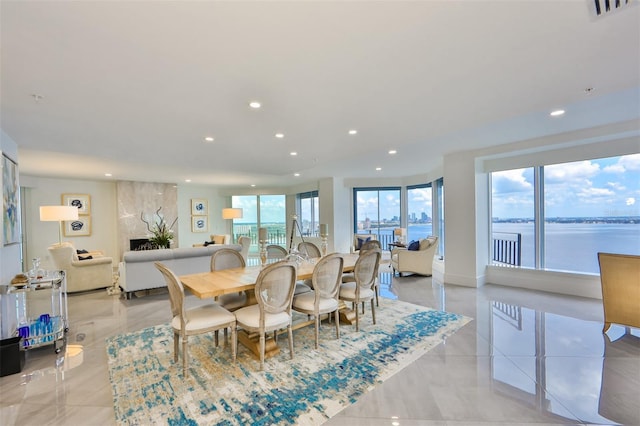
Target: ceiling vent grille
<point>603,7</point>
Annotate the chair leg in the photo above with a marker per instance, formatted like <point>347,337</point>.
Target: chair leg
<point>215,333</point>
<point>185,356</point>
<point>261,350</point>
<point>176,346</point>
<point>234,342</point>
<point>317,330</point>
<point>373,311</point>
<point>357,320</point>
<point>290,330</point>
<point>377,290</point>
<point>337,314</point>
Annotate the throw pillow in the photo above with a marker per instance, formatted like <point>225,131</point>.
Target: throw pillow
<point>81,251</point>
<point>360,241</point>
<point>414,246</point>
<point>208,243</point>
<point>85,257</point>
<point>218,239</point>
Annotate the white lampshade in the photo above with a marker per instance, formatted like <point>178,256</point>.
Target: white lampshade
<point>58,213</point>
<point>232,213</point>
<point>400,232</point>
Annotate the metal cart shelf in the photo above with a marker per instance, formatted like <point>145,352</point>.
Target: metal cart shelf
<point>41,309</point>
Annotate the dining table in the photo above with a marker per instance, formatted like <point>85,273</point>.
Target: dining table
<point>213,284</point>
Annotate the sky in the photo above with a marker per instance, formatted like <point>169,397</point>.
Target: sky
<point>589,188</point>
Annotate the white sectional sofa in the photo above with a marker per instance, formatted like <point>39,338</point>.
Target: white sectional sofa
<point>138,272</point>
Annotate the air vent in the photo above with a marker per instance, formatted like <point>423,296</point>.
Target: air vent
<point>603,7</point>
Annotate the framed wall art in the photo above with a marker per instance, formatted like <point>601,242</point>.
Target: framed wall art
<point>10,202</point>
<point>199,207</point>
<point>81,201</point>
<point>78,228</point>
<point>199,224</point>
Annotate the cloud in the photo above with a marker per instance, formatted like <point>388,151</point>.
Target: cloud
<point>510,181</point>
<point>630,201</point>
<point>617,186</point>
<point>625,163</point>
<point>567,172</point>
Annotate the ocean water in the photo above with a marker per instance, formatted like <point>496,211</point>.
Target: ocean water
<point>575,246</point>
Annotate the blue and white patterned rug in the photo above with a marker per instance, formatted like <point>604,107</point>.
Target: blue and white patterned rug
<point>149,388</point>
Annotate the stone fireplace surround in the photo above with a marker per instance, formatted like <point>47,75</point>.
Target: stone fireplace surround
<point>135,198</point>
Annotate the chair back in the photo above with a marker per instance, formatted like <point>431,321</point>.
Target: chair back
<point>245,242</point>
<point>176,291</point>
<point>227,258</point>
<point>310,249</point>
<point>366,268</point>
<point>371,245</point>
<point>620,281</point>
<point>327,276</point>
<point>276,252</point>
<point>274,288</point>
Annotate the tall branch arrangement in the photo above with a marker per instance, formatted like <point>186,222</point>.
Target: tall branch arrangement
<point>162,234</point>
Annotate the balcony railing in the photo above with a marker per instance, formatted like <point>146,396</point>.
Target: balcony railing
<point>507,248</point>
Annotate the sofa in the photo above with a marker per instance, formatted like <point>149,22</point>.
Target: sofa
<point>137,270</point>
<point>95,272</point>
<point>418,261</point>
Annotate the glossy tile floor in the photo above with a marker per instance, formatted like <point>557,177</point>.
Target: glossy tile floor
<point>526,358</point>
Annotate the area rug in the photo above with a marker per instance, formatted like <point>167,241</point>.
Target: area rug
<point>149,388</point>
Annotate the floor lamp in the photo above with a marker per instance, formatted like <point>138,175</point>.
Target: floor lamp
<point>232,213</point>
<point>58,214</point>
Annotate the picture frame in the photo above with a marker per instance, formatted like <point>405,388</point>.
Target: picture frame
<point>78,228</point>
<point>199,224</point>
<point>82,201</point>
<point>10,202</point>
<point>199,207</point>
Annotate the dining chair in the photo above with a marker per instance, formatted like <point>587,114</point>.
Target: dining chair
<point>371,244</point>
<point>189,322</point>
<point>309,249</point>
<point>365,273</point>
<point>323,299</point>
<point>276,252</point>
<point>274,293</point>
<point>227,258</point>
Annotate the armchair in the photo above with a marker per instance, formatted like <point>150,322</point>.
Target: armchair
<point>82,275</point>
<point>415,261</point>
<point>360,239</point>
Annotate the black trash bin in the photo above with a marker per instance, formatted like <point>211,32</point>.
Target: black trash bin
<point>11,356</point>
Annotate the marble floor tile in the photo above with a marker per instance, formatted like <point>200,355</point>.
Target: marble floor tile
<point>526,358</point>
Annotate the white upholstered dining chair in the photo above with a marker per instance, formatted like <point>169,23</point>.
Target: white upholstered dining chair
<point>274,293</point>
<point>228,258</point>
<point>309,249</point>
<point>189,322</point>
<point>323,299</point>
<point>365,273</point>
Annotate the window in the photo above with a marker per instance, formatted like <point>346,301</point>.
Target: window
<point>439,213</point>
<point>377,211</point>
<point>420,212</point>
<point>573,210</point>
<point>307,208</point>
<point>266,211</point>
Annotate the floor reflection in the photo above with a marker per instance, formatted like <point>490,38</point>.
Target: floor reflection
<point>572,362</point>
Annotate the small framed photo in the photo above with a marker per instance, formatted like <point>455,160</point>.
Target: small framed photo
<point>199,207</point>
<point>199,224</point>
<point>81,201</point>
<point>78,228</point>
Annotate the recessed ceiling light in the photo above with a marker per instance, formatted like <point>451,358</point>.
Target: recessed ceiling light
<point>378,169</point>
<point>296,174</point>
<point>393,151</point>
<point>187,180</point>
<point>108,174</point>
<point>556,113</point>
<point>293,153</point>
<point>255,104</point>
<point>208,139</point>
<point>279,135</point>
<point>353,131</point>
<point>253,185</point>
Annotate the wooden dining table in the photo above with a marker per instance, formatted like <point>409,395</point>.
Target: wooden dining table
<point>227,281</point>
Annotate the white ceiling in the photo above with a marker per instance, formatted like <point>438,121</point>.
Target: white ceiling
<point>132,88</point>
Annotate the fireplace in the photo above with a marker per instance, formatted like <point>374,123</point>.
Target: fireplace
<point>137,244</point>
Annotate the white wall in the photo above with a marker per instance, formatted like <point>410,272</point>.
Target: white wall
<point>216,202</point>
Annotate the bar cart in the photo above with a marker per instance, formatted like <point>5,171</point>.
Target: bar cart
<point>41,310</point>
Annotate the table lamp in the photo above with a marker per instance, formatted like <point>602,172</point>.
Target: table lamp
<point>400,233</point>
<point>58,214</point>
